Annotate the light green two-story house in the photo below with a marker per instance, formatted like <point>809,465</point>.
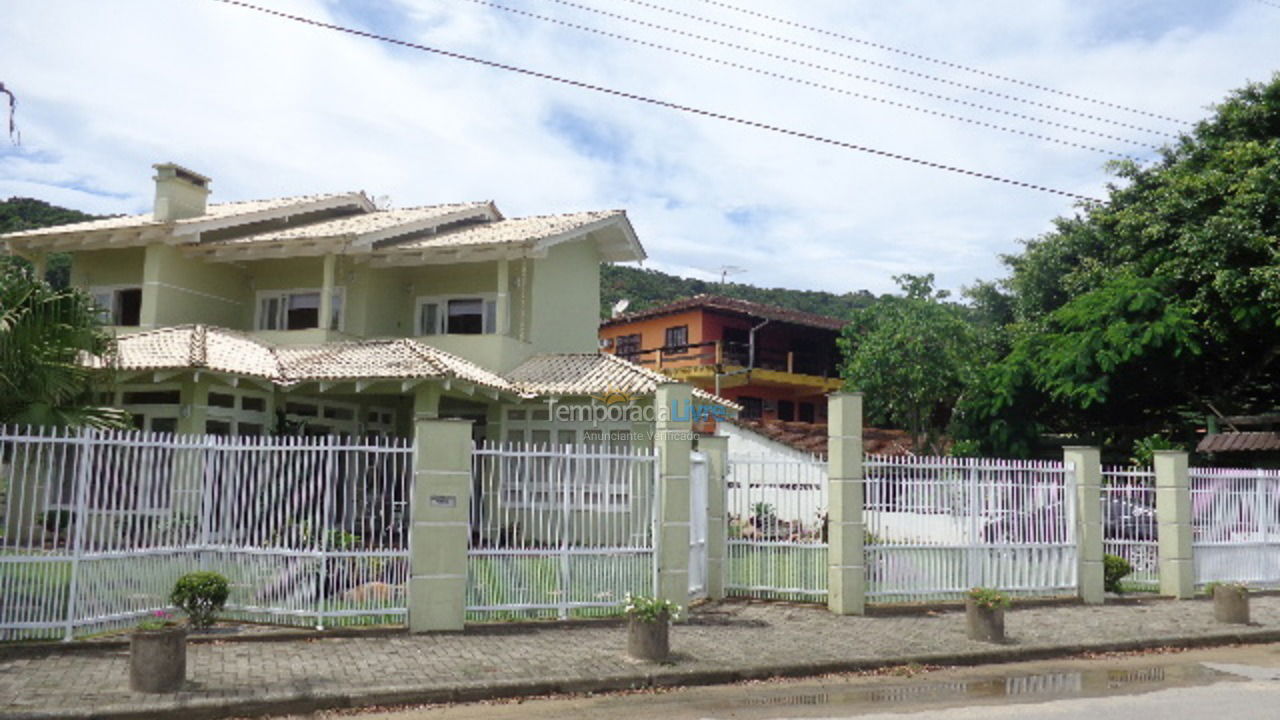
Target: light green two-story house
<point>328,315</point>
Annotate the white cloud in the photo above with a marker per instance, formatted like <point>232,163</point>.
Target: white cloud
<point>268,107</point>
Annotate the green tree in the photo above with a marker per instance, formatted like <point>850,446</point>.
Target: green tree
<point>45,336</point>
<point>913,356</point>
<point>1141,315</point>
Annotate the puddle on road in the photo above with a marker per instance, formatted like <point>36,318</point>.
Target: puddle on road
<point>1036,686</point>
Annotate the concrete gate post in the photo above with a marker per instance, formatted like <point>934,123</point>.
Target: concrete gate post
<point>846,561</point>
<point>673,439</point>
<point>1088,482</point>
<point>1173,515</point>
<point>438,535</point>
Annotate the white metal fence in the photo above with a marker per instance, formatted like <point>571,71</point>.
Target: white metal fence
<point>1129,523</point>
<point>938,526</point>
<point>1235,519</point>
<point>559,530</point>
<point>97,526</point>
<point>777,523</point>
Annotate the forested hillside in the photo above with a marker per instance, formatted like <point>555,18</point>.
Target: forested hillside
<point>19,213</point>
<point>647,288</point>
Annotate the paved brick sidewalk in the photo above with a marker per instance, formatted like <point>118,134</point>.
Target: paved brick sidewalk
<point>721,642</point>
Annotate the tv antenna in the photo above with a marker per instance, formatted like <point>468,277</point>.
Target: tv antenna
<point>727,270</point>
<point>620,307</point>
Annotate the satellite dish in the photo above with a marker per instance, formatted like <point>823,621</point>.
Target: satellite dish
<point>620,307</point>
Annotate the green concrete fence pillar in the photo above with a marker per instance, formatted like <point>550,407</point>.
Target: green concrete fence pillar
<point>1173,513</point>
<point>1087,462</point>
<point>846,562</point>
<point>438,535</point>
<point>673,439</point>
<point>717,452</point>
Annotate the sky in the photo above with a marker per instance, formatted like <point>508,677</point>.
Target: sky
<point>269,107</point>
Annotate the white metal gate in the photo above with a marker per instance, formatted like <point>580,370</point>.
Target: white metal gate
<point>698,499</point>
<point>1129,523</point>
<point>777,527</point>
<point>559,529</point>
<point>937,526</point>
<point>1235,518</point>
<point>97,526</point>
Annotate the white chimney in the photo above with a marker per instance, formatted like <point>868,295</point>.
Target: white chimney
<point>180,193</point>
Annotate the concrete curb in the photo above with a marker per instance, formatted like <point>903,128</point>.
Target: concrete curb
<point>300,701</point>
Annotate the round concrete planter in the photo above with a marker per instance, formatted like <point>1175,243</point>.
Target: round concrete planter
<point>983,624</point>
<point>649,640</point>
<point>1231,604</point>
<point>158,660</point>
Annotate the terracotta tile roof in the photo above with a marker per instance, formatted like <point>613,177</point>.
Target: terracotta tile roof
<point>354,226</point>
<point>221,350</point>
<point>1240,442</point>
<point>812,437</point>
<point>732,306</point>
<point>583,374</point>
<point>214,211</point>
<point>513,230</point>
<point>234,353</point>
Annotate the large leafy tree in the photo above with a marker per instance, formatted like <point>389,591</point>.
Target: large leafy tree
<point>913,355</point>
<point>46,334</point>
<point>1146,313</point>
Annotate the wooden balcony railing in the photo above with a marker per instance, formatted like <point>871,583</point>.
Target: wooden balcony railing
<point>732,354</point>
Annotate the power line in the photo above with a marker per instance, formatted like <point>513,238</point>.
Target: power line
<point>828,88</point>
<point>826,68</point>
<point>918,56</point>
<point>855,58</point>
<point>661,103</point>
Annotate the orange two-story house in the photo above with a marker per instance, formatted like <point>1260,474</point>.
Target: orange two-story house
<point>778,364</point>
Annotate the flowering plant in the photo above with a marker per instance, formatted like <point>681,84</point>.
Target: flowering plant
<point>157,620</point>
<point>650,609</point>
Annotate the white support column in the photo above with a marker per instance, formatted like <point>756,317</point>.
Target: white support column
<point>326,291</point>
<point>1173,515</point>
<point>674,441</point>
<point>846,563</point>
<point>502,311</point>
<point>1088,481</point>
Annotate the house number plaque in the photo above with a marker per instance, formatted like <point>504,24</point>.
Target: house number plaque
<point>444,501</point>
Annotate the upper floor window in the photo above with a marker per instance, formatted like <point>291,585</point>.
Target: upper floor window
<point>119,305</point>
<point>296,310</point>
<point>627,346</point>
<point>475,315</point>
<point>677,340</point>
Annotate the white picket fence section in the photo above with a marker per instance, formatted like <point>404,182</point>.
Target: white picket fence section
<point>97,526</point>
<point>1129,524</point>
<point>562,530</point>
<point>1235,518</point>
<point>937,526</point>
<point>777,524</point>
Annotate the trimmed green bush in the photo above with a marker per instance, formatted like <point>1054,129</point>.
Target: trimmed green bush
<point>989,598</point>
<point>200,595</point>
<point>1114,569</point>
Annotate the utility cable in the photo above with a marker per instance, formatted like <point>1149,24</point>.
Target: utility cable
<point>661,103</point>
<point>839,90</point>
<point>917,56</point>
<point>846,56</point>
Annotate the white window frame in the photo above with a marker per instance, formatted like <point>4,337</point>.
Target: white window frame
<point>339,303</point>
<point>488,320</point>
<point>112,308</point>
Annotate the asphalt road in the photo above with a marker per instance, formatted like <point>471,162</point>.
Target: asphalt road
<point>1240,683</point>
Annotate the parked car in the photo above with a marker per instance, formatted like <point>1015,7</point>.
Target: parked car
<point>1128,520</point>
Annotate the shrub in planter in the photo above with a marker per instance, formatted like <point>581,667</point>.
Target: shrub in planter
<point>201,595</point>
<point>1230,602</point>
<point>648,626</point>
<point>984,614</point>
<point>158,655</point>
<point>1114,569</point>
